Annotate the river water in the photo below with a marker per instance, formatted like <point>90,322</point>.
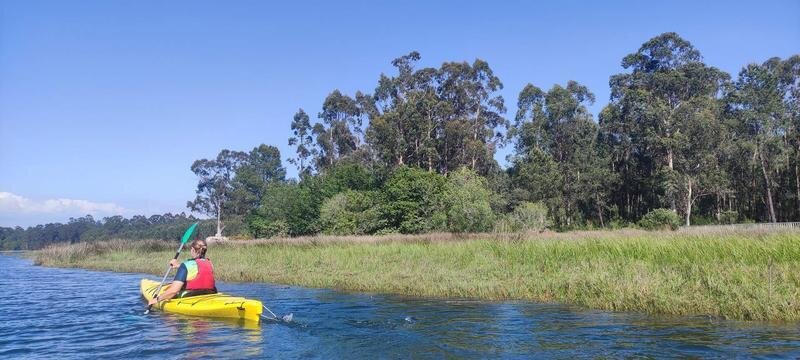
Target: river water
<point>71,313</point>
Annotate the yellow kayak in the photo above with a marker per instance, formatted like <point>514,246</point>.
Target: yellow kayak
<point>217,305</point>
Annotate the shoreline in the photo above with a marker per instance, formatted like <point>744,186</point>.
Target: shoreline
<point>746,275</point>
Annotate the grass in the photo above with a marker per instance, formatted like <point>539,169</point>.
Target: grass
<point>747,275</point>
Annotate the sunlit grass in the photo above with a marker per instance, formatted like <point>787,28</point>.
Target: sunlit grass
<point>746,275</point>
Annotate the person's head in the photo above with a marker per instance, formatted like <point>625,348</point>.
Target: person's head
<point>199,248</point>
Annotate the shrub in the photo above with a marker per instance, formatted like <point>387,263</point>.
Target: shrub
<point>660,219</point>
<point>350,213</point>
<point>412,201</point>
<point>729,217</point>
<point>525,217</point>
<point>468,202</point>
<point>262,228</point>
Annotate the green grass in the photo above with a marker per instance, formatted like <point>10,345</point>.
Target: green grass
<point>746,275</point>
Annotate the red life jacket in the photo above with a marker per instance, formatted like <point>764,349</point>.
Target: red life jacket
<point>200,275</point>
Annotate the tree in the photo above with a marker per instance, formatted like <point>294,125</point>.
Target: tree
<point>436,119</point>
<point>339,135</point>
<point>214,187</point>
<point>761,121</point>
<point>302,132</point>
<point>648,109</point>
<point>470,91</point>
<point>558,152</point>
<point>261,168</point>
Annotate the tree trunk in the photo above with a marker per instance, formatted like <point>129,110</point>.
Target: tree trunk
<point>670,162</point>
<point>689,203</point>
<point>797,187</point>
<point>219,218</point>
<point>600,211</point>
<point>767,185</point>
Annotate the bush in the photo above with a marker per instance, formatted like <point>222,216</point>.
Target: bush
<point>261,228</point>
<point>660,219</point>
<point>350,213</point>
<point>412,201</point>
<point>468,202</point>
<point>525,217</point>
<point>728,217</point>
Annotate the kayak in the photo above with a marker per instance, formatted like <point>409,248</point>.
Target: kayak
<point>217,305</point>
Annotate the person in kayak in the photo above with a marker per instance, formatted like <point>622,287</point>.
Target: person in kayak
<point>194,276</point>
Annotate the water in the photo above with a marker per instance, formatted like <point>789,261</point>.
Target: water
<point>70,313</point>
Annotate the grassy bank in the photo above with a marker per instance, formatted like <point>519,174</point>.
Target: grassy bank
<point>744,275</point>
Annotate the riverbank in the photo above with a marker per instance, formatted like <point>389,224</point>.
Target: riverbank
<point>747,275</point>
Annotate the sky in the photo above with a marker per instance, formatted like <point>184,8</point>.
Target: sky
<point>104,105</point>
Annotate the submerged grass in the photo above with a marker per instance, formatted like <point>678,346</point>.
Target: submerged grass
<point>751,275</point>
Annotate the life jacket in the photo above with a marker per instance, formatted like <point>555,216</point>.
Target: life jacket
<point>199,275</point>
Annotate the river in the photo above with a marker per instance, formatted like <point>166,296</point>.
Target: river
<point>78,314</point>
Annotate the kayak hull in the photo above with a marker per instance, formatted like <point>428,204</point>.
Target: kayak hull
<point>217,305</point>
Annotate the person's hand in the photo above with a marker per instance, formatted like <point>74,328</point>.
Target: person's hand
<point>152,302</point>
<point>174,263</point>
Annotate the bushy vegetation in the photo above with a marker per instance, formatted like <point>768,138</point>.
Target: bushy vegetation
<point>660,219</point>
<point>525,217</point>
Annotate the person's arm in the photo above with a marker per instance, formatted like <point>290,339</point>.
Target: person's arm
<point>170,293</point>
<point>175,287</point>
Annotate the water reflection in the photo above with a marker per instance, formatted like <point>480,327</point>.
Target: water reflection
<point>211,337</point>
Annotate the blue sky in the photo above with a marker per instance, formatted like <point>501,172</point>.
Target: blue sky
<point>104,105</point>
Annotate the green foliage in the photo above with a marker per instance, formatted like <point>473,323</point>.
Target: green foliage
<point>468,202</point>
<point>729,217</point>
<point>527,216</point>
<point>660,219</point>
<point>260,228</point>
<point>350,213</point>
<point>292,204</point>
<point>298,205</point>
<point>215,191</point>
<point>261,168</point>
<point>412,201</point>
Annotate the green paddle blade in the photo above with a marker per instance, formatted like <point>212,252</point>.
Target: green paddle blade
<point>188,233</point>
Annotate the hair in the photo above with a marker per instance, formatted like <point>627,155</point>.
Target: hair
<point>200,246</point>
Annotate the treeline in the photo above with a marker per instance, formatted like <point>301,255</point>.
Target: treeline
<point>679,138</point>
<point>680,142</point>
<point>167,226</point>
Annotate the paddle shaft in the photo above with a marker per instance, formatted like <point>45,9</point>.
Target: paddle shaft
<point>169,267</point>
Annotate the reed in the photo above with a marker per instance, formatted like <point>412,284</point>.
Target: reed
<point>747,275</point>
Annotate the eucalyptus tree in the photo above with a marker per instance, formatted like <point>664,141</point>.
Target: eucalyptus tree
<point>764,109</point>
<point>404,123</point>
<point>303,141</point>
<point>790,83</point>
<point>557,149</point>
<point>215,185</point>
<point>261,168</point>
<point>649,107</point>
<point>471,90</point>
<point>436,119</point>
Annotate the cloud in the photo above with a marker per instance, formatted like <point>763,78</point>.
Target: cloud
<point>12,204</point>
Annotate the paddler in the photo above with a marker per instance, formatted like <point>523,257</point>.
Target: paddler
<point>194,276</point>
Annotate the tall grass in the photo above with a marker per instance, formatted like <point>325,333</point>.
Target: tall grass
<point>752,275</point>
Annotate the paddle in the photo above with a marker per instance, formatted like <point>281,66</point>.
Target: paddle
<point>284,318</point>
<point>186,236</point>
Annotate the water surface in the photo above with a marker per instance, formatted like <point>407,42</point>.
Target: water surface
<point>72,313</point>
